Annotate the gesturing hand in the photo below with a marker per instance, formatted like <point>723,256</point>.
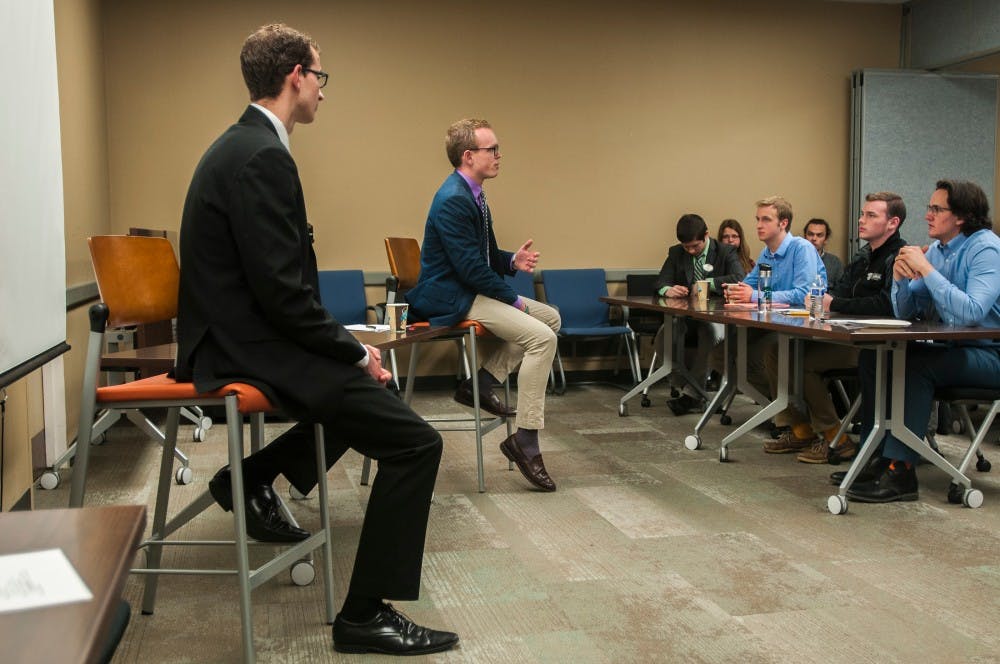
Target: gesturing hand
<point>525,260</point>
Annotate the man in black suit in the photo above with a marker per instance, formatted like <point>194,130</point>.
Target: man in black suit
<point>249,311</point>
<point>697,257</point>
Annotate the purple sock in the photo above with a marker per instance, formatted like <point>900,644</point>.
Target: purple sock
<point>527,440</point>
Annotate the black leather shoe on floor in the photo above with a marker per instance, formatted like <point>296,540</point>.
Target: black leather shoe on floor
<point>897,482</point>
<point>876,466</point>
<point>533,469</point>
<point>685,404</point>
<point>488,400</point>
<point>389,633</point>
<point>221,488</point>
<point>265,522</point>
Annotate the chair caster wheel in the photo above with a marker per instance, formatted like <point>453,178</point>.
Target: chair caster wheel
<point>199,435</point>
<point>622,410</point>
<point>49,480</point>
<point>99,439</point>
<point>205,423</point>
<point>674,393</point>
<point>723,454</point>
<point>972,498</point>
<point>983,465</point>
<point>295,494</point>
<point>645,402</point>
<point>837,504</point>
<point>725,419</point>
<point>183,475</point>
<point>303,573</point>
<point>692,442</point>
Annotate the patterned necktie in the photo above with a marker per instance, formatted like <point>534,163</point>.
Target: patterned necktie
<point>485,211</point>
<point>699,267</point>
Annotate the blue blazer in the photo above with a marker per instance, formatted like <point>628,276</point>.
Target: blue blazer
<point>453,267</point>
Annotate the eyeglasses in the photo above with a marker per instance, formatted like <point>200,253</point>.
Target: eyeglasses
<point>937,209</point>
<point>321,76</point>
<point>493,148</point>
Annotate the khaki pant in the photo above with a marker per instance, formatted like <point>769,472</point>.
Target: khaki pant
<point>709,336</point>
<point>528,340</point>
<point>817,358</point>
<point>758,341</point>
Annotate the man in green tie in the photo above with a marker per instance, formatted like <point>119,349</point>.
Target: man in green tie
<point>696,257</point>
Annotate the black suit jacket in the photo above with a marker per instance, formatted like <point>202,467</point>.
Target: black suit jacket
<point>678,268</point>
<point>249,306</point>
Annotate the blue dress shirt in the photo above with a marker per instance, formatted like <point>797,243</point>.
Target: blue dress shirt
<point>793,267</point>
<point>963,289</point>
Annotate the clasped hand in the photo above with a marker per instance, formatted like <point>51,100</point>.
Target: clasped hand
<point>911,263</point>
<point>374,368</point>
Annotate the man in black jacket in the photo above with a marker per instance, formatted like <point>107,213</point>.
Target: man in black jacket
<point>697,257</point>
<point>863,289</point>
<point>249,311</point>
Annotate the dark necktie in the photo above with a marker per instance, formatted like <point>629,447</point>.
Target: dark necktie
<point>485,210</point>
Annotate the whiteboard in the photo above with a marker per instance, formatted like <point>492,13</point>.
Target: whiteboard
<point>912,128</point>
<point>32,251</point>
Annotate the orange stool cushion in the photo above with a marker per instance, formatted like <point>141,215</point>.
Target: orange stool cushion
<point>164,388</point>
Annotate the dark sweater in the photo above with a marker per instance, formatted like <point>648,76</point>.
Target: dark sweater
<point>866,284</point>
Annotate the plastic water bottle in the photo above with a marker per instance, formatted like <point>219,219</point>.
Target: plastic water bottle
<point>764,288</point>
<point>816,292</point>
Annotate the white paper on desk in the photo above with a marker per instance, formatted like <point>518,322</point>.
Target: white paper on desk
<point>367,328</point>
<point>39,578</point>
<point>870,322</point>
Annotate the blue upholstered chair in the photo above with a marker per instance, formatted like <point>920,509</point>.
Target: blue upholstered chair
<point>577,293</point>
<point>343,295</point>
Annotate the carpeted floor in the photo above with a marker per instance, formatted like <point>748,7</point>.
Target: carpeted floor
<point>648,552</point>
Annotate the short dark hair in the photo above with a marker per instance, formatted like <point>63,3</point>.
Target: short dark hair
<point>894,205</point>
<point>819,222</point>
<point>967,201</point>
<point>461,136</point>
<point>270,54</point>
<point>691,227</point>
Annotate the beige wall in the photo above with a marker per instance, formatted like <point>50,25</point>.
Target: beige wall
<point>614,119</point>
<point>83,116</point>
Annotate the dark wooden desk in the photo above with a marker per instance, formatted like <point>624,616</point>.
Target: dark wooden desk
<point>100,543</point>
<point>885,341</point>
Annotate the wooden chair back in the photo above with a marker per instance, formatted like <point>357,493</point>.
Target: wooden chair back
<point>138,278</point>
<point>404,260</point>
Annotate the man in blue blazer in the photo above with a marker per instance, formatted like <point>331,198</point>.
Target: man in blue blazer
<point>249,311</point>
<point>461,277</point>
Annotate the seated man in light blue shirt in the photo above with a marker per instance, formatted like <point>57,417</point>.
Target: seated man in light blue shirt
<point>957,282</point>
<point>794,264</point>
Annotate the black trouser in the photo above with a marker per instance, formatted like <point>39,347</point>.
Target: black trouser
<point>376,423</point>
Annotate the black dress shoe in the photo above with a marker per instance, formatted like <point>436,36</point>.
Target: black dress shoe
<point>685,404</point>
<point>488,401</point>
<point>389,633</point>
<point>876,466</point>
<point>897,482</point>
<point>533,469</point>
<point>265,522</point>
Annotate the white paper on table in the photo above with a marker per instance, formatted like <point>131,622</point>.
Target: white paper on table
<point>367,328</point>
<point>39,578</point>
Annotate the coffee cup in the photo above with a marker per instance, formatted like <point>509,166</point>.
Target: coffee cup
<point>701,289</point>
<point>396,316</point>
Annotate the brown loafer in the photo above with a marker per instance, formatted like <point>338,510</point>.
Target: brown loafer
<point>488,401</point>
<point>532,469</point>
